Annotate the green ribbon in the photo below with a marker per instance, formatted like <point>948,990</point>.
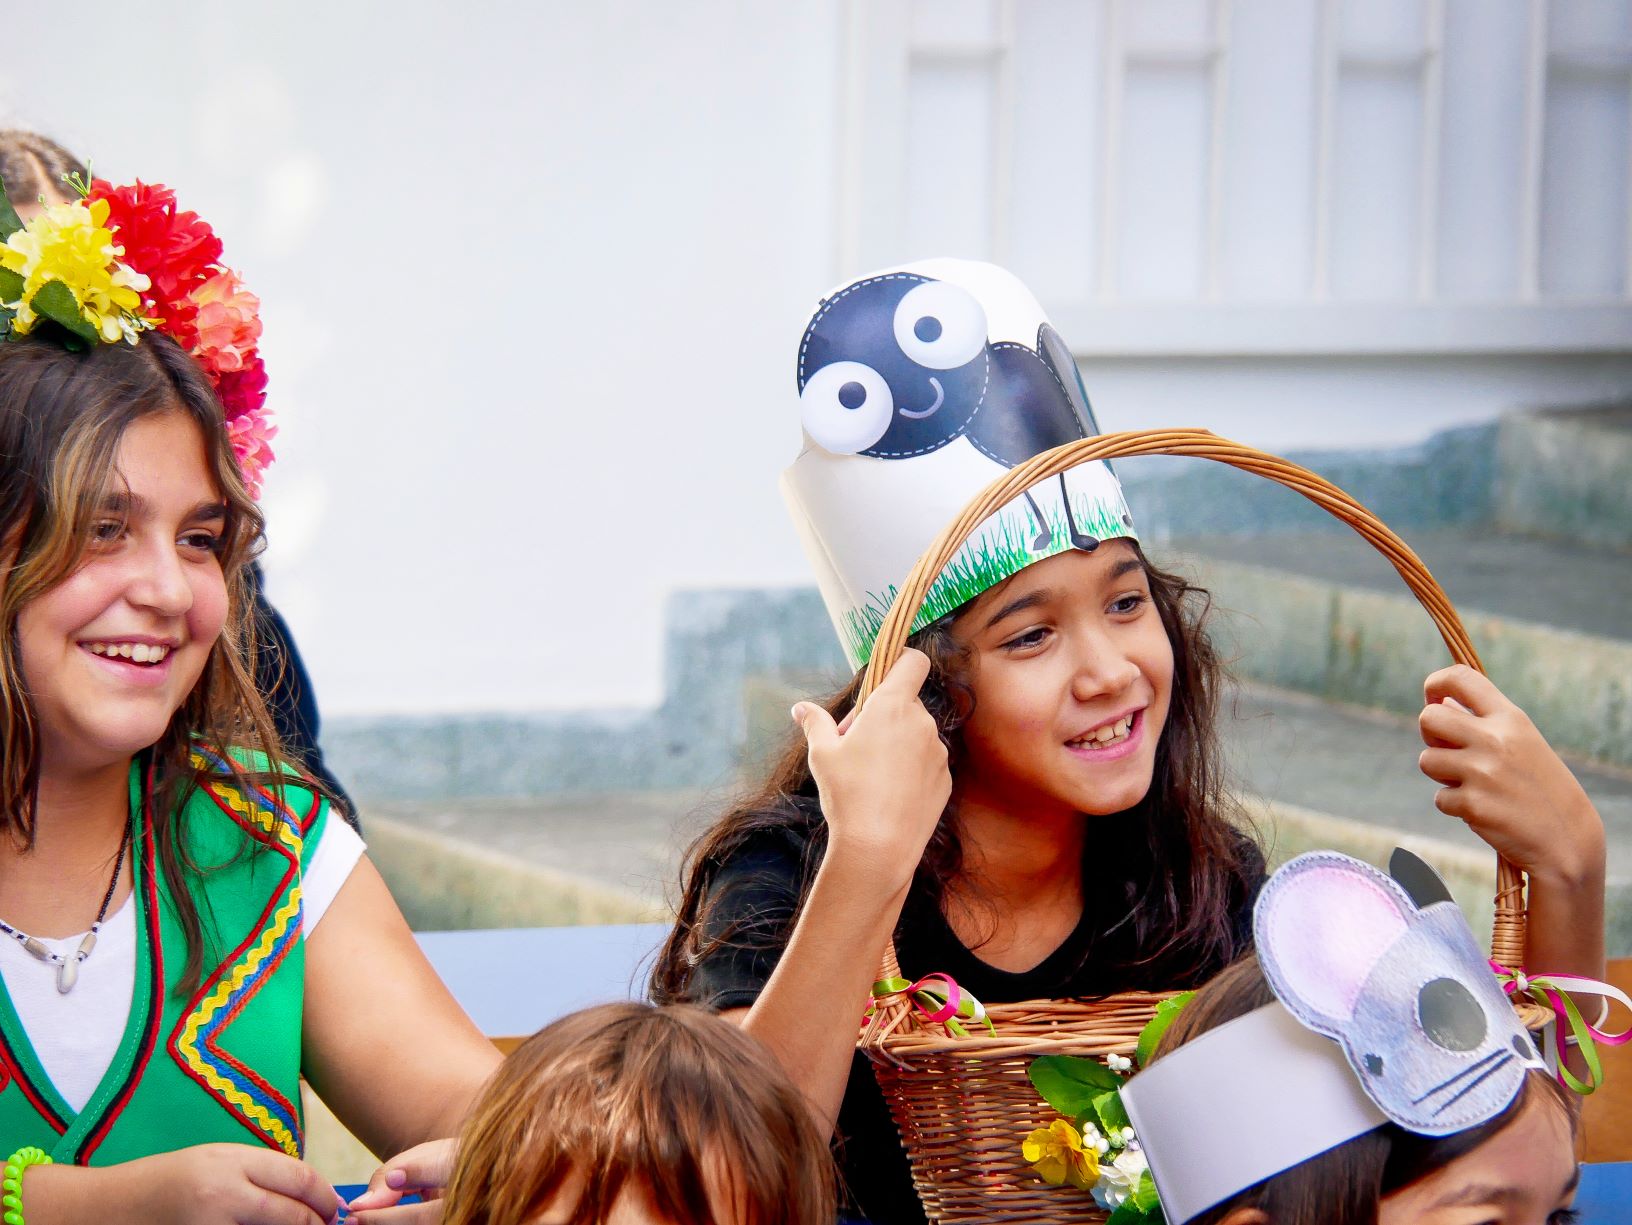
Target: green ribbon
<point>1553,991</point>
<point>947,1005</point>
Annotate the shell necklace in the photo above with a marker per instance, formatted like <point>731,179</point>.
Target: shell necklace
<point>68,967</point>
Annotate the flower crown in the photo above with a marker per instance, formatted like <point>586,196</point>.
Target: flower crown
<point>120,261</point>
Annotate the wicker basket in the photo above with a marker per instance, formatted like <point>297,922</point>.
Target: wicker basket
<point>964,1104</point>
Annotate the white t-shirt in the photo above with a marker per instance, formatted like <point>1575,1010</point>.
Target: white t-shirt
<point>77,1035</point>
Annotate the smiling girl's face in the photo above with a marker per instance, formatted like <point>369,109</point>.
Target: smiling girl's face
<point>1072,678</point>
<point>111,652</point>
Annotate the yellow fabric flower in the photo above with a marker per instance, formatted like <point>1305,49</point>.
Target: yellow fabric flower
<point>70,243</point>
<point>1056,1152</point>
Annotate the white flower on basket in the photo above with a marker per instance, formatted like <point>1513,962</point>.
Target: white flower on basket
<point>1119,1177</point>
<point>1118,1063</point>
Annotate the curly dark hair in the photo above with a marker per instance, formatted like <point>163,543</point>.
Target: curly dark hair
<point>1184,869</point>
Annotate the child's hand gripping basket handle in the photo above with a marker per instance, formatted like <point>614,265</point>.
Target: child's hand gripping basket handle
<point>1507,943</point>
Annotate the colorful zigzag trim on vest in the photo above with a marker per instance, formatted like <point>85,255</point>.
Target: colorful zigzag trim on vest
<point>257,1104</point>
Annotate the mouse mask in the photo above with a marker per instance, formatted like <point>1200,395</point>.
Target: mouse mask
<point>1388,1012</point>
<point>919,386</point>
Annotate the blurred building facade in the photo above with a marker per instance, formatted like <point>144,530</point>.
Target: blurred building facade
<point>1310,221</point>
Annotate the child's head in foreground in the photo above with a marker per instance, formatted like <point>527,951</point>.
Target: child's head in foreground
<point>629,1113</point>
<point>1518,1167</point>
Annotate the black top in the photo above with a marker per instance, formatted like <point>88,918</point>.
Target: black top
<point>750,916</point>
<point>280,675</point>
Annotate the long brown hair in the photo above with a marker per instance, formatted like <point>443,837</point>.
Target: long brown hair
<point>62,416</point>
<point>1177,872</point>
<point>1344,1185</point>
<point>672,1103</point>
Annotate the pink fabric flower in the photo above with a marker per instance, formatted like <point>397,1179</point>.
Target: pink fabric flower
<point>251,434</point>
<point>228,322</point>
<point>243,390</point>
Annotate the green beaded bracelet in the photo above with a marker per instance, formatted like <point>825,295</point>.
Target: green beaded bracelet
<point>11,1184</point>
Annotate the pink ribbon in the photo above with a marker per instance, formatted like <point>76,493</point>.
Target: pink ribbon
<point>938,1000</point>
<point>1549,991</point>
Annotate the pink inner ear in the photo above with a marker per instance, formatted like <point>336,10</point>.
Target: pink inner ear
<point>1327,928</point>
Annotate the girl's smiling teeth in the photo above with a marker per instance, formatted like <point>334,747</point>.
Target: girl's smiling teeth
<point>1106,734</point>
<point>136,652</point>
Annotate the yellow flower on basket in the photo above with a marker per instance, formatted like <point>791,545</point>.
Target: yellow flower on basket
<point>69,243</point>
<point>1056,1152</point>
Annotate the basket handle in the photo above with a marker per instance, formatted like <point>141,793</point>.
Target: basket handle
<point>1507,939</point>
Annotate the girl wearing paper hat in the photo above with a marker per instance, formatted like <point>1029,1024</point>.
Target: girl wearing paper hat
<point>1364,1068</point>
<point>1032,801</point>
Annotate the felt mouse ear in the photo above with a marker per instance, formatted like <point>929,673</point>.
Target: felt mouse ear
<point>1417,877</point>
<point>1321,924</point>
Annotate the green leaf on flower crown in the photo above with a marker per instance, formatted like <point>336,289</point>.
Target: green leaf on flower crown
<point>1070,1084</point>
<point>1152,1033</point>
<point>11,285</point>
<point>1126,1213</point>
<point>56,302</point>
<point>1110,1113</point>
<point>10,222</point>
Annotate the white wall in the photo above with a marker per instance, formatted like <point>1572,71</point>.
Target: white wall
<point>533,273</point>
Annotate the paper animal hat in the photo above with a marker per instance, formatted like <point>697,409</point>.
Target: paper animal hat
<point>1388,1011</point>
<point>918,386</point>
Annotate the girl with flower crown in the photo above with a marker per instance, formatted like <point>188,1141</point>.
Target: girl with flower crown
<point>1032,802</point>
<point>37,172</point>
<point>186,931</point>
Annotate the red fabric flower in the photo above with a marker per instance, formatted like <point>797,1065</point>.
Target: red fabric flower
<point>202,306</point>
<point>173,248</point>
<point>243,390</point>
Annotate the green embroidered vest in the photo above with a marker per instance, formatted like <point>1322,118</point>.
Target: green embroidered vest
<point>223,1062</point>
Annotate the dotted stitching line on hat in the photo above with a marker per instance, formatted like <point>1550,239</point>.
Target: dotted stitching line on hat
<point>804,342</point>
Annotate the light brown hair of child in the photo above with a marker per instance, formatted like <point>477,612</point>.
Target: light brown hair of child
<point>632,1112</point>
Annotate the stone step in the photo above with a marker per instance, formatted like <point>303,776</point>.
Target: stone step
<point>1563,585</point>
<point>1557,473</point>
<point>1327,615</point>
<point>1350,775</point>
<point>544,861</point>
<point>1567,474</point>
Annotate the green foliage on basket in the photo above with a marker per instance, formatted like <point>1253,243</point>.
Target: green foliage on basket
<point>1151,1035</point>
<point>1097,1151</point>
